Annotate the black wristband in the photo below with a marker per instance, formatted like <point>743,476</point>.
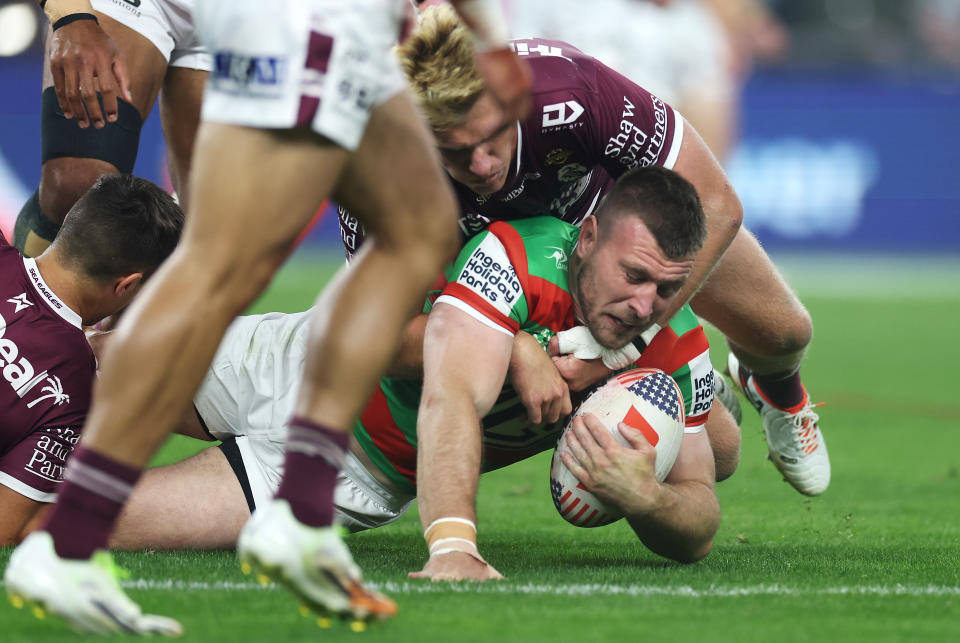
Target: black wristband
<point>43,3</point>
<point>73,17</point>
<point>638,343</point>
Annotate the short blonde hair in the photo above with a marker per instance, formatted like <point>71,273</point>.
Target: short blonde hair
<point>437,59</point>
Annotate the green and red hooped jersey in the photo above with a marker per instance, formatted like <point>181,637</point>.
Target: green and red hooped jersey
<point>513,276</point>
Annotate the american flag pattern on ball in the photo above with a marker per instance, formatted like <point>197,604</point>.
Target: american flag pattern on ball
<point>646,399</point>
<point>660,390</point>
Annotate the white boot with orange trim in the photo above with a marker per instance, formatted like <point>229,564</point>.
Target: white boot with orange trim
<point>793,435</point>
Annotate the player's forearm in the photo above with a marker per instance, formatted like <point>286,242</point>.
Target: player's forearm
<point>724,215</point>
<point>57,9</point>
<point>448,457</point>
<point>683,526</point>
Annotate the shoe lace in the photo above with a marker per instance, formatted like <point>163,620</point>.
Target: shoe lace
<point>806,427</point>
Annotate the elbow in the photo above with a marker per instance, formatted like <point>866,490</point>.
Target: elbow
<point>694,555</point>
<point>726,210</point>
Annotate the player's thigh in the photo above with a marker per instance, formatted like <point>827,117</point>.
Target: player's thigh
<point>180,101</point>
<point>724,434</point>
<point>393,182</point>
<point>195,503</point>
<point>254,190</point>
<point>750,302</point>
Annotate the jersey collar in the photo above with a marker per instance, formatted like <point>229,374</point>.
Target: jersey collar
<point>36,279</point>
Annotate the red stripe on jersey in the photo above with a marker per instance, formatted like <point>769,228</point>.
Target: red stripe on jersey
<point>481,305</point>
<point>549,305</point>
<point>387,436</point>
<point>670,353</point>
<point>696,420</point>
<point>516,251</point>
<point>635,419</point>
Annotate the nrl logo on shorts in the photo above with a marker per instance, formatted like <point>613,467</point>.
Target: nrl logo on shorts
<point>558,156</point>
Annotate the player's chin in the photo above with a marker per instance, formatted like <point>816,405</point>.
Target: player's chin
<point>613,336</point>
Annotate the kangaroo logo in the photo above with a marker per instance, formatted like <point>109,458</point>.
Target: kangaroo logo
<point>559,255</point>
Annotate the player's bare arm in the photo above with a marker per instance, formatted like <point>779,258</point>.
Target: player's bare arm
<point>465,364</point>
<point>83,62</point>
<point>722,207</point>
<point>677,518</point>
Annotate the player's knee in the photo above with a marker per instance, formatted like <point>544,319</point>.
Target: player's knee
<point>795,333</point>
<point>34,231</point>
<point>64,180</point>
<point>726,461</point>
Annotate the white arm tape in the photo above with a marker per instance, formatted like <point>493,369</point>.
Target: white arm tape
<point>580,342</point>
<point>444,545</point>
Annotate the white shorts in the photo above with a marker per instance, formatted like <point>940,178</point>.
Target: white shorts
<point>300,63</point>
<point>247,398</point>
<point>168,24</point>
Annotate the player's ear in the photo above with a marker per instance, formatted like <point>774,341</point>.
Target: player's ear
<point>589,231</point>
<point>125,284</point>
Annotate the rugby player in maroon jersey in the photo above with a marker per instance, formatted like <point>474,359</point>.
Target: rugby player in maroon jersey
<point>112,239</point>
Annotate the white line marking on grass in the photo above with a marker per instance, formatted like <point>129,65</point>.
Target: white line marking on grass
<point>679,591</point>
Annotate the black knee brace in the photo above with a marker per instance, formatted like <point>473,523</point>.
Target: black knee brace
<point>115,143</point>
<point>34,231</point>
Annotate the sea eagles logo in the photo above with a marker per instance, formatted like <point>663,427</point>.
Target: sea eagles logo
<point>559,255</point>
<point>54,391</point>
<point>20,302</point>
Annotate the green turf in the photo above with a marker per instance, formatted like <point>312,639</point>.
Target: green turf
<point>877,558</point>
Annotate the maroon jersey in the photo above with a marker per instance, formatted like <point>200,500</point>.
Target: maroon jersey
<point>46,378</point>
<point>588,125</point>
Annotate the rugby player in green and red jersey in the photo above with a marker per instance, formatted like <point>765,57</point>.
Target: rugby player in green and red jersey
<point>547,283</point>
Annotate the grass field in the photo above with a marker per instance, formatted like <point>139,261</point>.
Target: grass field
<point>876,559</point>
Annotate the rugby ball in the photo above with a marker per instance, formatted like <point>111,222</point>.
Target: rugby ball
<point>645,398</point>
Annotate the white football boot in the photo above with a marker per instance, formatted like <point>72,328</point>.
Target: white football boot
<point>727,396</point>
<point>85,593</point>
<point>793,435</point>
<point>312,562</point>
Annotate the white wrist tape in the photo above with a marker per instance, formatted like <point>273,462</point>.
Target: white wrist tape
<point>449,519</point>
<point>580,342</point>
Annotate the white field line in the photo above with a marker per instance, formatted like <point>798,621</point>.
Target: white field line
<point>507,588</point>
